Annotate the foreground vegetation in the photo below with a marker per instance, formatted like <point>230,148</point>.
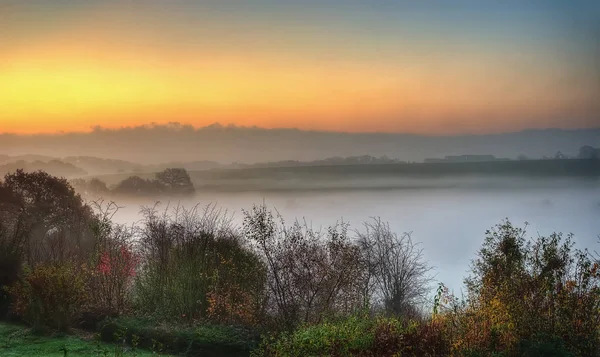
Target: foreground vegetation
<point>19,341</point>
<point>189,282</point>
<point>525,298</point>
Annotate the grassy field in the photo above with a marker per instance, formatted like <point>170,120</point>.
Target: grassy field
<point>290,177</point>
<point>536,168</point>
<point>17,340</point>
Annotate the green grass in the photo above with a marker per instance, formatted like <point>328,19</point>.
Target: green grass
<point>200,340</point>
<point>17,340</point>
<point>205,340</point>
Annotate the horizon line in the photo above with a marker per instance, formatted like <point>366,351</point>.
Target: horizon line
<point>174,126</point>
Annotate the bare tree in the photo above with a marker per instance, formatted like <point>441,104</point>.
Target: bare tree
<point>311,274</point>
<point>398,276</point>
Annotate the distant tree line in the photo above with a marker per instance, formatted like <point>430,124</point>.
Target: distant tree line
<point>466,158</point>
<point>78,166</point>
<point>336,160</point>
<point>55,167</point>
<point>588,152</point>
<point>172,181</point>
<point>585,152</point>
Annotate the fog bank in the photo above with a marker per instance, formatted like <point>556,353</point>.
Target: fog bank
<point>449,222</point>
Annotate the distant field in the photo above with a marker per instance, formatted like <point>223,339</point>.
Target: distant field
<point>531,167</point>
<point>386,175</point>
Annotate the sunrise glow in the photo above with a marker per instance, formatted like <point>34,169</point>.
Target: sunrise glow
<point>112,66</point>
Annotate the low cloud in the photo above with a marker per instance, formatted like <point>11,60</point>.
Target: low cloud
<point>153,143</point>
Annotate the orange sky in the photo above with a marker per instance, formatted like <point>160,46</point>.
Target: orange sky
<point>103,65</point>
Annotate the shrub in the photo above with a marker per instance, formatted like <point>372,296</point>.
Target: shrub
<point>51,294</point>
<point>520,289</point>
<point>111,270</point>
<point>186,340</point>
<point>542,345</point>
<point>426,339</point>
<point>194,266</point>
<point>232,304</point>
<point>387,337</point>
<point>360,335</point>
<point>347,337</point>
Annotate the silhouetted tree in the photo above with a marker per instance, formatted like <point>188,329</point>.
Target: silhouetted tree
<point>135,185</point>
<point>169,181</point>
<point>54,215</point>
<point>94,186</point>
<point>588,152</point>
<point>176,181</point>
<point>97,186</point>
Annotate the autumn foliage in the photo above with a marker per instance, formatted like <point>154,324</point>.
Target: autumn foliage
<point>51,294</point>
<point>313,293</point>
<point>537,297</point>
<point>526,296</point>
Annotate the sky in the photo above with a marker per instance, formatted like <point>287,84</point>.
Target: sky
<point>423,67</point>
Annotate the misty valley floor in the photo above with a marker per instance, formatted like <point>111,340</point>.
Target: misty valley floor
<point>449,222</point>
